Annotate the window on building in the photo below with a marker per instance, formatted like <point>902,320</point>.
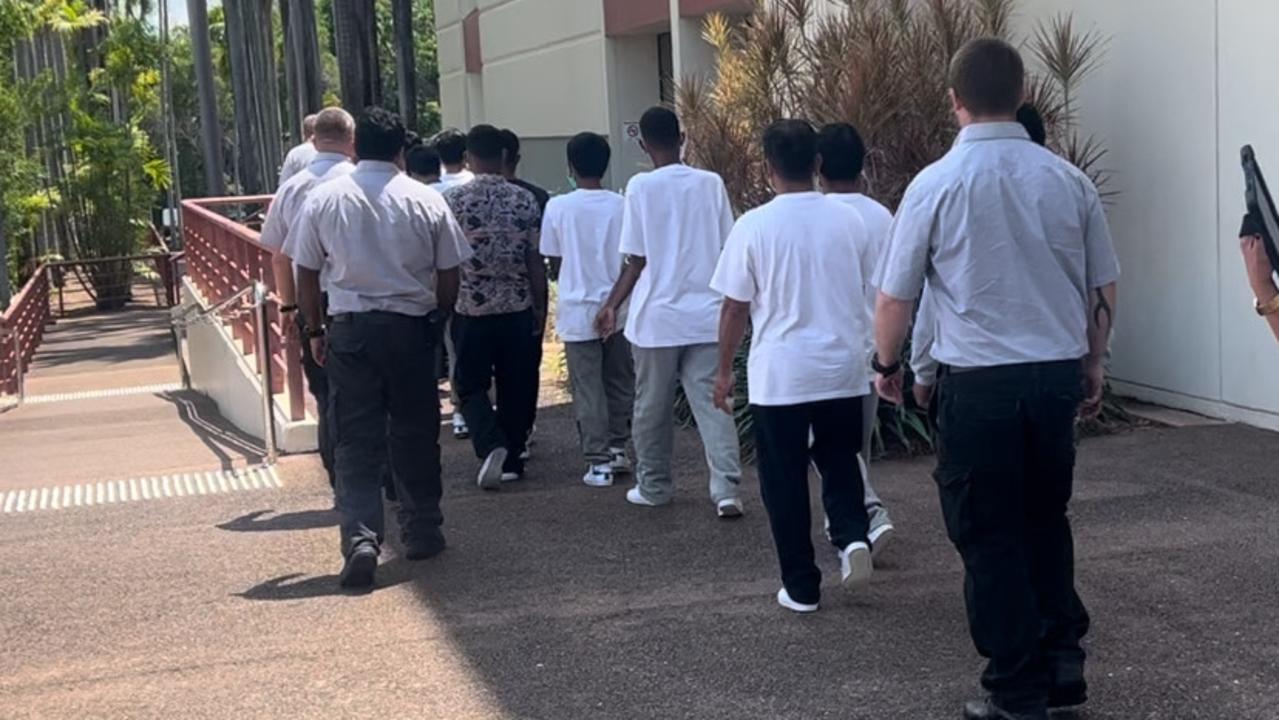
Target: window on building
<point>666,68</point>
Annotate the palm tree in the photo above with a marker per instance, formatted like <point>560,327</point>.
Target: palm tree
<point>198,18</point>
<point>405,59</point>
<point>355,32</point>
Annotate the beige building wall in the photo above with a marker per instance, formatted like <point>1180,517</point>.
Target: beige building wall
<point>1174,101</point>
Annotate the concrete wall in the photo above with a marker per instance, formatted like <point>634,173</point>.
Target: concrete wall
<point>219,371</point>
<point>1174,101</point>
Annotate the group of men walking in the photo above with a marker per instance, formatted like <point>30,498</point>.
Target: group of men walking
<point>1001,245</point>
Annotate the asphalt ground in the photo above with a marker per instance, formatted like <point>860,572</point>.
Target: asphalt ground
<point>559,601</point>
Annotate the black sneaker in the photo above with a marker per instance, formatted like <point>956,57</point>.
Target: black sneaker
<point>360,567</point>
<point>425,548</point>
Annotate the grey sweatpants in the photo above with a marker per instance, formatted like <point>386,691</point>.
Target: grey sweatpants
<point>656,372</point>
<point>601,374</point>
<point>870,407</point>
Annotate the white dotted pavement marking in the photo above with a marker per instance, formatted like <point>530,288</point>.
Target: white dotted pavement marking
<point>110,492</point>
<point>97,394</point>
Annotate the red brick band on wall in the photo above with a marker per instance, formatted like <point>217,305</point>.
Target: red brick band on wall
<point>471,42</point>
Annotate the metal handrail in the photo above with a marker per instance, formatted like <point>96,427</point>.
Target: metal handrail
<point>185,317</point>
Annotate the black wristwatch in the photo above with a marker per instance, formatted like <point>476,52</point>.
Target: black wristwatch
<point>288,308</point>
<point>312,333</point>
<point>885,370</point>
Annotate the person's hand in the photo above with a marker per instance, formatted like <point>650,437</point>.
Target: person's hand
<point>539,322</point>
<point>1094,386</point>
<point>606,322</point>
<point>1257,262</point>
<point>724,382</point>
<point>889,387</point>
<point>923,395</point>
<point>319,350</point>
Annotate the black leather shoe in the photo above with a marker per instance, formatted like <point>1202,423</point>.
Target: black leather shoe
<point>360,567</point>
<point>1070,696</point>
<point>988,710</point>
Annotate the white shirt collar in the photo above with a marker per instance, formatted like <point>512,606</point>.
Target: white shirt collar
<point>992,131</point>
<point>376,166</point>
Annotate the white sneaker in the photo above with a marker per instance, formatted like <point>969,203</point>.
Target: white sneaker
<point>729,509</point>
<point>881,532</point>
<point>784,599</point>
<point>635,497</point>
<point>526,455</point>
<point>620,464</point>
<point>490,477</point>
<point>460,430</point>
<point>855,565</point>
<point>511,477</point>
<point>599,476</point>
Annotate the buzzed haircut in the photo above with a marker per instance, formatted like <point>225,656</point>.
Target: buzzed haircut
<point>510,146</point>
<point>422,160</point>
<point>308,124</point>
<point>989,77</point>
<point>588,155</point>
<point>485,143</point>
<point>1030,119</point>
<point>451,145</point>
<point>379,135</point>
<point>659,127</point>
<point>843,152</point>
<point>790,147</point>
<point>333,125</point>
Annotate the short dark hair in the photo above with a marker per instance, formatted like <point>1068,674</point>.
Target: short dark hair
<point>1030,119</point>
<point>790,147</point>
<point>659,127</point>
<point>485,142</point>
<point>588,155</point>
<point>379,135</point>
<point>451,145</point>
<point>422,160</point>
<point>989,77</point>
<point>510,146</point>
<point>843,152</point>
<point>411,140</point>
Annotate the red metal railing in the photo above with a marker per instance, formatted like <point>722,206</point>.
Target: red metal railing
<point>21,328</point>
<point>223,256</point>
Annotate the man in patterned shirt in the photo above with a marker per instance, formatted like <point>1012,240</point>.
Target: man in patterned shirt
<point>499,309</point>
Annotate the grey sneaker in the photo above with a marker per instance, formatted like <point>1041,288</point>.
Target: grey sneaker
<point>881,531</point>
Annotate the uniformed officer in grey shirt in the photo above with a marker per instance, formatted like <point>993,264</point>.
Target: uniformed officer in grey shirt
<point>1013,246</point>
<point>391,249</point>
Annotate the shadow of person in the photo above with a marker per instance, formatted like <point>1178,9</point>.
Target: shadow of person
<point>298,586</point>
<point>301,520</point>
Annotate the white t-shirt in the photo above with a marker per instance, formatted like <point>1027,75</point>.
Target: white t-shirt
<point>677,219</point>
<point>794,260</point>
<point>879,222</point>
<point>451,180</point>
<point>296,161</point>
<point>584,229</point>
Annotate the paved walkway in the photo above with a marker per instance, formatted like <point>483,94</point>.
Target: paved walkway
<point>104,403</point>
<point>560,602</point>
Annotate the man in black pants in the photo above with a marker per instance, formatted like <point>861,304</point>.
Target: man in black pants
<point>391,248</point>
<point>1021,270</point>
<point>808,368</point>
<point>499,310</point>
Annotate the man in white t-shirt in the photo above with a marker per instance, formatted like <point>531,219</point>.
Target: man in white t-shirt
<point>786,270</point>
<point>300,155</point>
<point>674,226</point>
<point>841,157</point>
<point>451,145</point>
<point>581,234</point>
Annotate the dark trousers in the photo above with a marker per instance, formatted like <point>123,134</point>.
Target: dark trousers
<point>1006,456</point>
<point>784,454</point>
<point>317,381</point>
<point>382,397</point>
<point>501,350</point>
